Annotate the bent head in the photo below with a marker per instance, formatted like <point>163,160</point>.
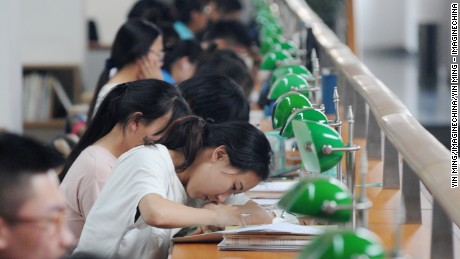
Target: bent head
<point>219,159</point>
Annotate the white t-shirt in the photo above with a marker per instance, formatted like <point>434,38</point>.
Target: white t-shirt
<point>110,230</point>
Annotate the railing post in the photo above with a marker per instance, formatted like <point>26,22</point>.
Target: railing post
<point>411,195</point>
<point>359,108</point>
<point>441,234</point>
<point>373,138</point>
<point>390,166</point>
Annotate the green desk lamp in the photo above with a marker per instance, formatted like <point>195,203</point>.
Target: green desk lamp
<point>268,42</point>
<point>288,45</point>
<point>290,82</point>
<point>315,196</point>
<point>345,244</point>
<point>320,146</point>
<point>302,114</point>
<point>291,69</point>
<point>285,105</point>
<point>273,59</point>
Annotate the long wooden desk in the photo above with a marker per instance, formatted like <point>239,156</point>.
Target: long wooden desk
<point>415,237</point>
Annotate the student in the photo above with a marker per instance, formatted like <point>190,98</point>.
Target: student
<point>225,10</point>
<point>180,62</point>
<point>137,53</point>
<point>227,63</point>
<point>215,97</point>
<point>130,113</point>
<point>219,99</point>
<point>232,35</point>
<point>32,211</point>
<point>145,195</point>
<point>191,18</point>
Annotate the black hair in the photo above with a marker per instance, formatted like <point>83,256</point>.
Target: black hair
<point>183,48</point>
<point>247,147</point>
<point>151,97</point>
<point>227,63</point>
<point>184,9</point>
<point>215,97</point>
<point>20,159</point>
<point>228,6</point>
<point>133,40</point>
<point>154,11</point>
<point>233,32</point>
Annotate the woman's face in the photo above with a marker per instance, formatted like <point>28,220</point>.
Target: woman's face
<point>213,178</point>
<point>156,53</point>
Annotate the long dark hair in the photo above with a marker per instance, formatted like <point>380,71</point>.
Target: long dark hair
<point>215,97</point>
<point>247,147</point>
<point>153,98</point>
<point>133,40</point>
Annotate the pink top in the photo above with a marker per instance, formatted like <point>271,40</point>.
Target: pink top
<point>83,183</point>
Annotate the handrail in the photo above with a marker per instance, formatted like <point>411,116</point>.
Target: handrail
<point>425,155</point>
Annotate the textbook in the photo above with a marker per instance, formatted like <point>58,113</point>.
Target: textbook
<point>268,231</point>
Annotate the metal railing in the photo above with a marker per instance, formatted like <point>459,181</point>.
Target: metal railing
<point>386,124</point>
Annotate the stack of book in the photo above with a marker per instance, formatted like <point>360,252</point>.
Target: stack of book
<point>264,241</point>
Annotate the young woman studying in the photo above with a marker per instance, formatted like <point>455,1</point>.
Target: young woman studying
<point>137,53</point>
<point>131,113</point>
<point>144,198</point>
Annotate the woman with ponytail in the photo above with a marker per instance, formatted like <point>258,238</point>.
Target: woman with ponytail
<point>130,114</point>
<point>137,53</point>
<point>145,197</point>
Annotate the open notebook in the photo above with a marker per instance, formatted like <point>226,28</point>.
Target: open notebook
<point>280,229</point>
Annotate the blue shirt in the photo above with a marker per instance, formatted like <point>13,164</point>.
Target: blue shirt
<point>168,77</point>
<point>184,32</point>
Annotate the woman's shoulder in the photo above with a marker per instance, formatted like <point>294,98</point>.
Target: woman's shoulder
<point>150,152</point>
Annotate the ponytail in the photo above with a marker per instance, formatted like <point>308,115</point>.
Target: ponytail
<point>185,134</point>
<point>104,121</point>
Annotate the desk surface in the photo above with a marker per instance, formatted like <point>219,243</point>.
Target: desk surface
<point>210,251</point>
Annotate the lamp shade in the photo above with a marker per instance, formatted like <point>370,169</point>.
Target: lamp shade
<point>289,46</point>
<point>288,83</point>
<point>345,244</point>
<point>267,44</point>
<point>285,105</point>
<point>291,69</point>
<point>309,195</point>
<point>311,137</point>
<point>271,60</point>
<point>302,114</point>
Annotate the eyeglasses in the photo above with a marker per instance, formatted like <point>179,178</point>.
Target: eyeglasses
<point>56,222</point>
<point>160,55</point>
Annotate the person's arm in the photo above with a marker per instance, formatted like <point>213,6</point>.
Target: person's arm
<point>257,214</point>
<point>162,213</point>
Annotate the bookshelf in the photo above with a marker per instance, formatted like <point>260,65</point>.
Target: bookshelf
<point>44,112</point>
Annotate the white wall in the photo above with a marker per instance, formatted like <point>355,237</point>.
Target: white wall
<point>394,23</point>
<point>10,67</point>
<point>109,15</point>
<point>52,32</point>
<point>382,23</point>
